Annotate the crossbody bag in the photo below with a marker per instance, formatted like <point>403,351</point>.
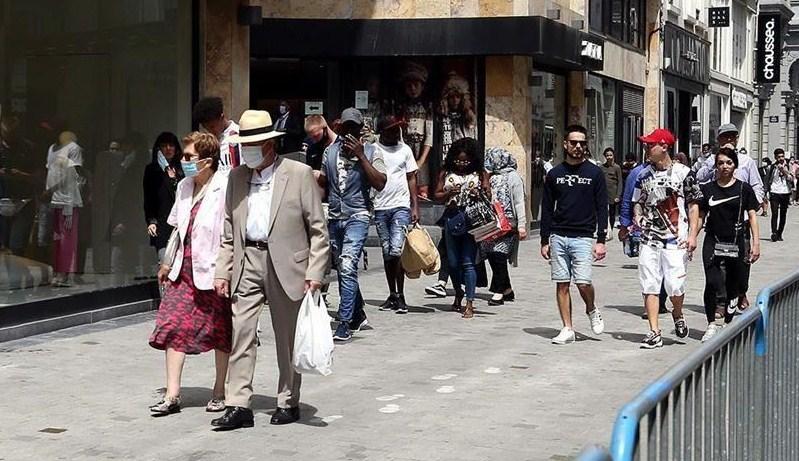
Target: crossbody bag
<point>732,250</point>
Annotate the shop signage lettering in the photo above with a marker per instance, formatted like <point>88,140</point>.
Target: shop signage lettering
<point>769,48</point>
<point>686,54</point>
<point>739,99</point>
<point>592,50</point>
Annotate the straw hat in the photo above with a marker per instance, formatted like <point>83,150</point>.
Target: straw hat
<point>254,126</point>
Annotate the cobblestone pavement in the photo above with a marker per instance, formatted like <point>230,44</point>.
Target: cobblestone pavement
<point>424,386</point>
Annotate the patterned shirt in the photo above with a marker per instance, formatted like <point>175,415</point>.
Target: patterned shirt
<point>661,197</point>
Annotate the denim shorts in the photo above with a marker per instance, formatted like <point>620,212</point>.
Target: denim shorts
<point>391,225</point>
<point>571,258</point>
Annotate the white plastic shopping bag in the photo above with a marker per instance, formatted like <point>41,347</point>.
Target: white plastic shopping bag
<point>313,342</point>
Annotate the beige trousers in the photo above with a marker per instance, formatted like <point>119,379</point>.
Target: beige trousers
<point>257,285</point>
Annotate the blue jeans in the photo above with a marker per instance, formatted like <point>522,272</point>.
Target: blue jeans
<point>347,237</point>
<point>461,254</point>
<point>391,226</point>
<point>571,259</point>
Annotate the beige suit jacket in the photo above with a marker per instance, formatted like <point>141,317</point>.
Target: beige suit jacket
<point>298,241</point>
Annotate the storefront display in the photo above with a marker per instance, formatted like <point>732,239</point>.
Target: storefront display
<point>601,116</point>
<point>437,98</point>
<point>548,94</point>
<point>92,84</point>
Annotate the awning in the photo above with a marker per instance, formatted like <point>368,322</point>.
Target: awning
<point>548,42</point>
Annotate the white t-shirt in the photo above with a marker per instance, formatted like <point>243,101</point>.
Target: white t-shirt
<point>229,156</point>
<point>779,183</point>
<point>399,162</point>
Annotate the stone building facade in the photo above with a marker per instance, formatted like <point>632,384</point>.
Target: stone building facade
<point>563,67</point>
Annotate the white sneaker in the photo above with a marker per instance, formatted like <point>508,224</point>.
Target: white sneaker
<point>565,336</point>
<point>711,331</point>
<point>597,324</point>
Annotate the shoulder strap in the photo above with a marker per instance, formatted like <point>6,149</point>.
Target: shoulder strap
<point>740,223</point>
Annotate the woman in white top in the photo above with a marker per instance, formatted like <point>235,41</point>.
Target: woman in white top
<point>462,176</point>
<point>63,186</point>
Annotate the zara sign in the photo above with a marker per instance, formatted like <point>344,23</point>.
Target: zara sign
<point>769,48</point>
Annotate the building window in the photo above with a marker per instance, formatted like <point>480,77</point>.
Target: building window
<point>622,20</point>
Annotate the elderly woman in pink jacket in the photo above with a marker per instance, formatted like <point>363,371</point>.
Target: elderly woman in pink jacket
<point>192,318</point>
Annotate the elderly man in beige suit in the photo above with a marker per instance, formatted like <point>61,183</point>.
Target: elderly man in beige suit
<point>274,248</point>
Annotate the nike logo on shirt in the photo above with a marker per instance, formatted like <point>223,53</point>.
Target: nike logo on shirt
<point>713,203</point>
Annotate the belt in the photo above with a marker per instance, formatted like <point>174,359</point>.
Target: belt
<point>261,245</point>
<point>661,243</point>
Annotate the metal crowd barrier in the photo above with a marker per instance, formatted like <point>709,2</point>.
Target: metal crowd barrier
<point>735,398</point>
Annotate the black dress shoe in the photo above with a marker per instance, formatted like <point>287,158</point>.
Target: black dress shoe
<point>509,296</point>
<point>285,416</point>
<point>234,418</point>
<point>496,302</point>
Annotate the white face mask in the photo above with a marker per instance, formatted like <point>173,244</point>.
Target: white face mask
<point>252,156</point>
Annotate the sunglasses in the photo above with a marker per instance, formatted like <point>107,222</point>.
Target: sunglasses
<point>574,143</point>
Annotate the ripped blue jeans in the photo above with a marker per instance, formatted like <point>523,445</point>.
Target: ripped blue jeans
<point>347,237</point>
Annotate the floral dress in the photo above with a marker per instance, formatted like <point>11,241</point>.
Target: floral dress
<point>191,320</point>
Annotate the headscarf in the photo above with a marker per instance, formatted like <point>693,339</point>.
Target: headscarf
<point>499,161</point>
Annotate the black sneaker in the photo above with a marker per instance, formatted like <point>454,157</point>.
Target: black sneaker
<point>652,340</point>
<point>342,333</point>
<point>680,327</point>
<point>358,322</point>
<point>401,307</point>
<point>390,304</point>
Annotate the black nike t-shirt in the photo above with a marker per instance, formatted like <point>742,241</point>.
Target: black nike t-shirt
<point>723,208</point>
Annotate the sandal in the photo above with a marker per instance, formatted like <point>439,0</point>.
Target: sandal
<point>166,406</point>
<point>215,405</point>
<point>468,312</point>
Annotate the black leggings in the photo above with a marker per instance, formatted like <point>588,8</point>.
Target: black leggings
<point>500,279</point>
<point>779,206</point>
<point>724,278</point>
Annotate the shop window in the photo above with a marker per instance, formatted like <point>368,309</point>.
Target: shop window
<point>85,89</point>
<point>601,111</point>
<point>439,98</point>
<point>548,94</point>
<point>622,20</point>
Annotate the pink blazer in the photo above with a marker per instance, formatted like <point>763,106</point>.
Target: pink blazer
<point>206,234</point>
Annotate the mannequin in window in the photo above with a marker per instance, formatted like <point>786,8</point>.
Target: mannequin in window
<point>419,117</point>
<point>455,113</point>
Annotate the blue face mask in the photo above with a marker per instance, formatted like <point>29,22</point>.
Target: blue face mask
<point>162,161</point>
<point>189,168</point>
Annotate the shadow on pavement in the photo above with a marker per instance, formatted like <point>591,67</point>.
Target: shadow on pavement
<point>638,337</point>
<point>632,310</point>
<point>549,333</point>
<point>197,397</point>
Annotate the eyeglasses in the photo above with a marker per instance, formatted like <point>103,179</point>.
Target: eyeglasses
<point>574,143</point>
<point>462,162</point>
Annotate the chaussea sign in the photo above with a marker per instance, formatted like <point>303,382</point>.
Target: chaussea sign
<point>769,48</point>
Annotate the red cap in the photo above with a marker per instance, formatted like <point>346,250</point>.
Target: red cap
<point>658,136</point>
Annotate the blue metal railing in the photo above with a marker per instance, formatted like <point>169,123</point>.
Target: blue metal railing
<point>736,397</point>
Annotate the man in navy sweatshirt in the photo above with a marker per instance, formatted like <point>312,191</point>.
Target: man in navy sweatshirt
<point>574,212</point>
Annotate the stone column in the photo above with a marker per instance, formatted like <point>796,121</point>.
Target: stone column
<point>508,110</point>
<point>652,93</point>
<point>224,55</point>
